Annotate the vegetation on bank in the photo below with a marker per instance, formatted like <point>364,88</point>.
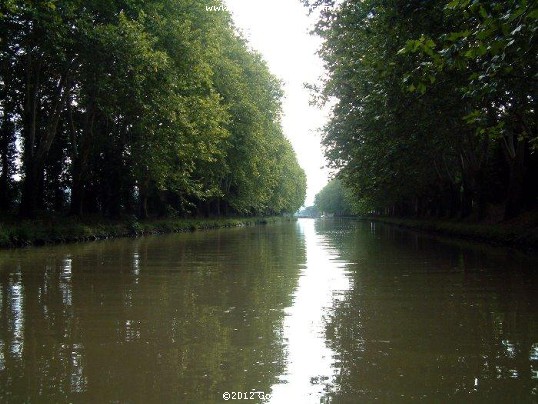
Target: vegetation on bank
<point>433,105</point>
<point>138,107</point>
<point>521,233</point>
<point>334,199</point>
<point>66,230</point>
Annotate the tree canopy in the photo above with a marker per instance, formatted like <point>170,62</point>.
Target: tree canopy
<point>138,107</point>
<point>334,199</point>
<point>434,104</point>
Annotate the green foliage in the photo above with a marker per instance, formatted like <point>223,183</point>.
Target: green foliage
<point>309,211</point>
<point>145,107</point>
<point>495,47</point>
<point>260,173</point>
<point>4,237</point>
<point>427,99</point>
<point>335,199</point>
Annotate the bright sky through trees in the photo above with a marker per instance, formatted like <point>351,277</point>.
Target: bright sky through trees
<point>279,30</point>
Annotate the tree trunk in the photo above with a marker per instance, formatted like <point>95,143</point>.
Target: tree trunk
<point>31,191</point>
<point>143,214</point>
<point>218,207</point>
<point>81,157</point>
<point>143,201</point>
<point>35,153</point>
<point>28,197</point>
<point>516,161</point>
<point>6,157</point>
<point>77,193</point>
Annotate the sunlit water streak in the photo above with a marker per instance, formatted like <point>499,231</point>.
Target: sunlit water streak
<point>17,313</point>
<point>310,369</point>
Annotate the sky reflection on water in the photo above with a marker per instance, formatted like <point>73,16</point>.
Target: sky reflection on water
<point>310,367</point>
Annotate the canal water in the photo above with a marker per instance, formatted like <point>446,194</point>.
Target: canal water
<point>315,311</point>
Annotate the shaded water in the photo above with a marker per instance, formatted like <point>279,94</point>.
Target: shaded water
<point>313,311</point>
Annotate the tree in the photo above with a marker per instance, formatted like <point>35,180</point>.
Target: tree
<point>422,109</point>
<point>146,107</point>
<point>334,199</point>
<point>493,44</point>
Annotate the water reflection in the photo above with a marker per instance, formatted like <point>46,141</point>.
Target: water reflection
<point>2,357</point>
<point>426,320</point>
<point>174,318</point>
<point>310,362</point>
<point>319,311</point>
<point>136,265</point>
<point>15,299</point>
<point>65,282</point>
<point>77,381</point>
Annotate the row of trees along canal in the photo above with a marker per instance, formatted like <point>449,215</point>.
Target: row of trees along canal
<point>138,107</point>
<point>433,104</point>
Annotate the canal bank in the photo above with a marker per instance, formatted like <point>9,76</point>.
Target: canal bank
<point>521,232</point>
<point>69,230</point>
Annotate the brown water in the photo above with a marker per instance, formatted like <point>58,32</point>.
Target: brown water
<point>313,311</point>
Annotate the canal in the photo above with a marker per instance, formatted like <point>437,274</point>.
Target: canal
<point>307,312</point>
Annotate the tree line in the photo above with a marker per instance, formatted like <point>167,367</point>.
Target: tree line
<point>334,199</point>
<point>433,104</point>
<point>132,107</point>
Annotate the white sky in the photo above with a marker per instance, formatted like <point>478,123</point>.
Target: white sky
<point>278,29</point>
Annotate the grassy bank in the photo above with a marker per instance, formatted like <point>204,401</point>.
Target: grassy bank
<point>67,230</point>
<point>521,232</point>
